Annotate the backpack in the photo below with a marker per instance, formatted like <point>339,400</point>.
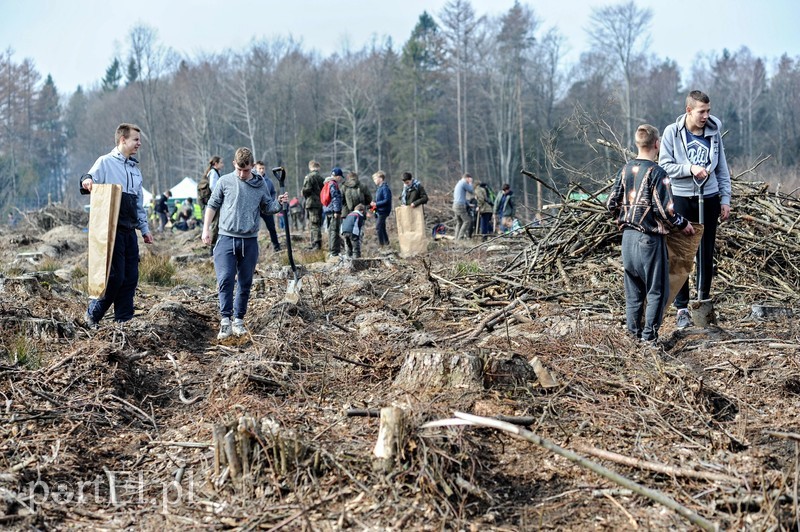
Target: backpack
<point>490,196</point>
<point>325,194</point>
<point>204,190</point>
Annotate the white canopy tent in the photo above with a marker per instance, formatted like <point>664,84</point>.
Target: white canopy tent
<point>187,188</point>
<point>146,196</point>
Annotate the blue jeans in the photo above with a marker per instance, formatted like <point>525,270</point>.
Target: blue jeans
<point>646,282</point>
<point>122,280</point>
<point>235,262</point>
<point>380,226</point>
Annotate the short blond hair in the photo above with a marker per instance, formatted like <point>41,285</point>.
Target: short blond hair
<point>314,165</point>
<point>646,136</point>
<point>380,174</point>
<point>243,157</point>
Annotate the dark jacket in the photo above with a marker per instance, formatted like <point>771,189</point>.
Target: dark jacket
<point>353,223</point>
<point>383,199</point>
<point>504,204</point>
<point>336,198</point>
<point>354,192</point>
<point>414,194</point>
<point>641,199</point>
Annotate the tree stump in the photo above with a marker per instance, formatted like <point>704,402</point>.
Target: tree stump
<point>25,286</point>
<point>502,370</point>
<point>436,369</point>
<point>391,437</point>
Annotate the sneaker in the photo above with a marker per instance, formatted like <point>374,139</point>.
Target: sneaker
<point>238,327</point>
<point>684,319</point>
<point>224,329</point>
<point>90,321</point>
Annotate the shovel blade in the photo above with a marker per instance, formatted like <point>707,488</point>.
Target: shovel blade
<point>293,291</point>
<point>703,313</point>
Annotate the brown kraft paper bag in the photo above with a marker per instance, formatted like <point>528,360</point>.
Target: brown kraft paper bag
<point>411,230</point>
<point>681,250</point>
<point>103,214</point>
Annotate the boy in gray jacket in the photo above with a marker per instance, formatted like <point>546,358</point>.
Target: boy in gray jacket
<point>120,167</point>
<point>238,197</point>
<point>694,158</point>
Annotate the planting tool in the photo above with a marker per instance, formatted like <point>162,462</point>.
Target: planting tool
<point>294,285</point>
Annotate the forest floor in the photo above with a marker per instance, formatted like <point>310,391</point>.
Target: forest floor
<point>154,424</point>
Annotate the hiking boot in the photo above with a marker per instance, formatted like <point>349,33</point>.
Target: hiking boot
<point>224,329</point>
<point>90,321</point>
<point>684,319</point>
<point>238,327</point>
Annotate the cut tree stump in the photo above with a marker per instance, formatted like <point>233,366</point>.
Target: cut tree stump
<point>502,370</point>
<point>390,438</point>
<point>25,286</point>
<point>436,369</point>
<point>358,265</point>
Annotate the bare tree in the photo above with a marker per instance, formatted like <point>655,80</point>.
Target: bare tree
<point>622,32</point>
<point>151,62</point>
<point>461,27</point>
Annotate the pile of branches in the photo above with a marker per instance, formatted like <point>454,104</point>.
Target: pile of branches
<point>754,247</point>
<point>53,215</point>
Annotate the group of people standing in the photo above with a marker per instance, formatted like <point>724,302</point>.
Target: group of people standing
<point>489,212</point>
<point>649,200</point>
<point>345,207</point>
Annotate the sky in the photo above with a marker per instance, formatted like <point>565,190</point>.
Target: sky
<point>75,41</point>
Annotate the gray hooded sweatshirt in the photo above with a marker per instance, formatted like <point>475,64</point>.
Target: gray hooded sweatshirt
<point>239,203</point>
<point>674,158</point>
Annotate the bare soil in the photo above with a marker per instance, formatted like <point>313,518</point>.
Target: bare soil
<point>114,428</point>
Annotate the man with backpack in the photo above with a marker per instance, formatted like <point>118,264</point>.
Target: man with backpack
<point>312,187</point>
<point>484,194</point>
<point>354,192</point>
<point>331,199</point>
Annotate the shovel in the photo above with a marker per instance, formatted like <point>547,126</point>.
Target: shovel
<point>703,308</point>
<point>293,288</point>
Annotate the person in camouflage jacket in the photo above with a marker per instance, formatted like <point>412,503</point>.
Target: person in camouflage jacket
<point>312,186</point>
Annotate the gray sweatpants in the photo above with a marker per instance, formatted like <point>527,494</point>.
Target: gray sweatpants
<point>646,282</point>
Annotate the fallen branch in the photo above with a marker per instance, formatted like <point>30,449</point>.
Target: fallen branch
<point>654,495</point>
<point>655,466</point>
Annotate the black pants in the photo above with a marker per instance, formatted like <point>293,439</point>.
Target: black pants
<point>688,207</point>
<point>380,226</point>
<point>122,279</point>
<point>269,221</point>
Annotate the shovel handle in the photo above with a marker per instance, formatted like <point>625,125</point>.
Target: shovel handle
<point>280,174</point>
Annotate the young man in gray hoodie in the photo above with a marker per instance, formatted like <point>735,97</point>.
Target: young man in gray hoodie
<point>693,156</point>
<point>238,197</point>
